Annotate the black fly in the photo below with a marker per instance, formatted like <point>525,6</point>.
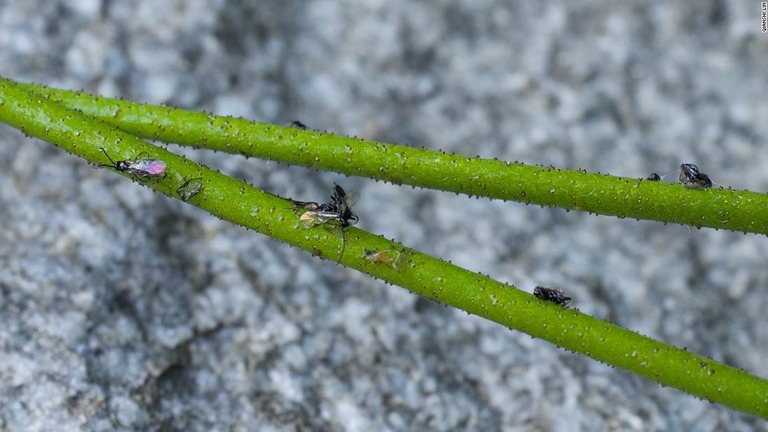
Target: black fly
<point>338,211</point>
<point>554,295</point>
<point>343,209</point>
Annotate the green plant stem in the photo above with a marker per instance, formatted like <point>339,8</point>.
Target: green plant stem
<point>432,278</point>
<point>546,186</point>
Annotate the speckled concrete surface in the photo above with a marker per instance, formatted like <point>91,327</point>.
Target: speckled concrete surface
<point>124,310</point>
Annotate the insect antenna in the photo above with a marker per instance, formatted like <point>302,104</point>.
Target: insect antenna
<point>110,159</point>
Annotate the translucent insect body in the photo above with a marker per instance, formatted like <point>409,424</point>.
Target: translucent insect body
<point>390,257</point>
<point>144,169</point>
<point>190,188</point>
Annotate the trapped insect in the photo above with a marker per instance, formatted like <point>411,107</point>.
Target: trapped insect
<point>692,178</point>
<point>144,169</point>
<point>315,214</point>
<point>337,211</point>
<point>298,125</point>
<point>394,258</point>
<point>190,188</point>
<point>343,207</point>
<point>554,295</point>
<point>654,176</point>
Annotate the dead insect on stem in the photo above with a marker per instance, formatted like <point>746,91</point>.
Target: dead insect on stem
<point>142,168</point>
<point>554,295</point>
<point>692,178</point>
<point>337,212</point>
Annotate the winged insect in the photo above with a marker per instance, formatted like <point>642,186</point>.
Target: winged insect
<point>387,256</point>
<point>337,212</point>
<point>692,178</point>
<point>190,188</point>
<point>142,168</point>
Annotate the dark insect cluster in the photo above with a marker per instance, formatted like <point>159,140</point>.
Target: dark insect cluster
<point>338,210</point>
<point>554,295</point>
<point>343,209</point>
<point>298,125</point>
<point>692,178</point>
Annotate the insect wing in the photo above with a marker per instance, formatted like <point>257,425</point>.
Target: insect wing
<point>145,168</point>
<point>190,188</point>
<point>692,178</point>
<point>702,182</point>
<point>343,202</point>
<point>351,199</point>
<point>309,219</point>
<point>335,228</point>
<point>341,197</point>
<point>394,258</point>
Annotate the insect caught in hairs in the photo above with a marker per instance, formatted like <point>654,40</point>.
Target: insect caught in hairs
<point>393,258</point>
<point>653,177</point>
<point>338,212</point>
<point>299,125</point>
<point>554,295</point>
<point>144,169</point>
<point>190,188</point>
<point>692,178</point>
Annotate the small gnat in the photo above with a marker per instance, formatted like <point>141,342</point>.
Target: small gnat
<point>142,168</point>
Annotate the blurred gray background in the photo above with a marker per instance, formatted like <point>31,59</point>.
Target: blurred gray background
<point>124,310</point>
